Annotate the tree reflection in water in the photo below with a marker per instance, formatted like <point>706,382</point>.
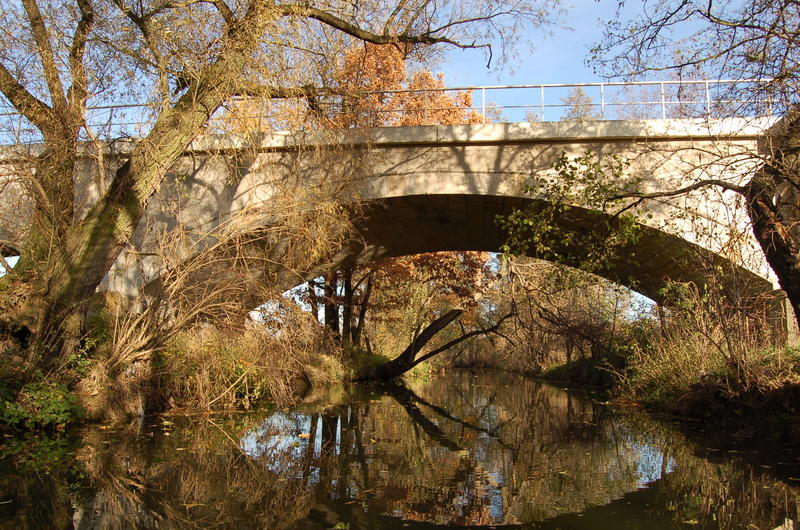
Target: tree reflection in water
<point>461,450</point>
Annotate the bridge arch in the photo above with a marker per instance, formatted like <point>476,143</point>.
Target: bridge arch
<point>415,224</point>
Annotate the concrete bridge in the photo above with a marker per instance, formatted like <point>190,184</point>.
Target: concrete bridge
<point>437,188</point>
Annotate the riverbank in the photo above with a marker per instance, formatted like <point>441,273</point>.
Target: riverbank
<point>761,395</point>
<point>203,369</point>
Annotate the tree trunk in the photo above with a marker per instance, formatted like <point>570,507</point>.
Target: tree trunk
<point>408,359</point>
<point>362,313</point>
<point>774,233</point>
<point>312,298</point>
<point>405,361</point>
<point>331,306</point>
<point>347,305</point>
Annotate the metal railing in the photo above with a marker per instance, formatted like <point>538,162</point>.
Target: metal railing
<point>504,103</point>
<point>672,99</point>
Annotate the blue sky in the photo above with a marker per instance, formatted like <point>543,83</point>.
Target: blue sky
<point>558,56</point>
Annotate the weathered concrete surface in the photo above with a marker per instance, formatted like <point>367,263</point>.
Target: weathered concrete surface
<point>440,188</point>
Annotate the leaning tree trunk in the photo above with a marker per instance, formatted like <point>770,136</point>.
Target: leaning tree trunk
<point>773,199</point>
<point>405,361</point>
<point>408,359</point>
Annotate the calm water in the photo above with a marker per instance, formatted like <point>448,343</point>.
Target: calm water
<point>458,451</point>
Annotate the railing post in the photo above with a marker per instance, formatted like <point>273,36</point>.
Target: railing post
<point>541,88</point>
<point>663,104</point>
<point>602,103</point>
<point>708,102</point>
<point>483,105</point>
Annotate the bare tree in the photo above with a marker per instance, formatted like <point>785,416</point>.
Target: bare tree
<point>187,60</point>
<point>580,106</point>
<point>752,39</point>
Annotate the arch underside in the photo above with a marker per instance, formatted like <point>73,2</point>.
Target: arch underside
<point>415,224</point>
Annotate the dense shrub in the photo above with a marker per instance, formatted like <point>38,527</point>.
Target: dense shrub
<point>39,404</point>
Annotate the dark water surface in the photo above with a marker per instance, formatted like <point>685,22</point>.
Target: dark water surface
<point>461,450</point>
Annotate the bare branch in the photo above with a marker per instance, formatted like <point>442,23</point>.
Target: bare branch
<point>490,329</point>
<point>356,31</point>
<point>4,263</point>
<point>46,54</point>
<point>680,191</point>
<point>142,24</point>
<point>225,11</point>
<point>390,20</point>
<point>78,90</point>
<point>38,112</point>
<point>167,5</point>
<point>279,92</point>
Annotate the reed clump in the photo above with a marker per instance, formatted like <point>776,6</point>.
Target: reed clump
<point>217,368</point>
<point>707,358</point>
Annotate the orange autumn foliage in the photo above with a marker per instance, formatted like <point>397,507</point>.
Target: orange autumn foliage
<point>387,95</point>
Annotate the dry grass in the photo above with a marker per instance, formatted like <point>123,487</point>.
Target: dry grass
<point>704,344</point>
<point>211,367</point>
<point>213,279</point>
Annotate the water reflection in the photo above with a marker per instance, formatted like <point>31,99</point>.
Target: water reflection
<point>460,451</point>
<point>457,451</point>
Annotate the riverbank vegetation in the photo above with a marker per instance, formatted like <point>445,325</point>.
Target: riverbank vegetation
<point>186,341</point>
<point>695,355</point>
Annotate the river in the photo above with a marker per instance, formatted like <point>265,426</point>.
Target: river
<point>460,450</point>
